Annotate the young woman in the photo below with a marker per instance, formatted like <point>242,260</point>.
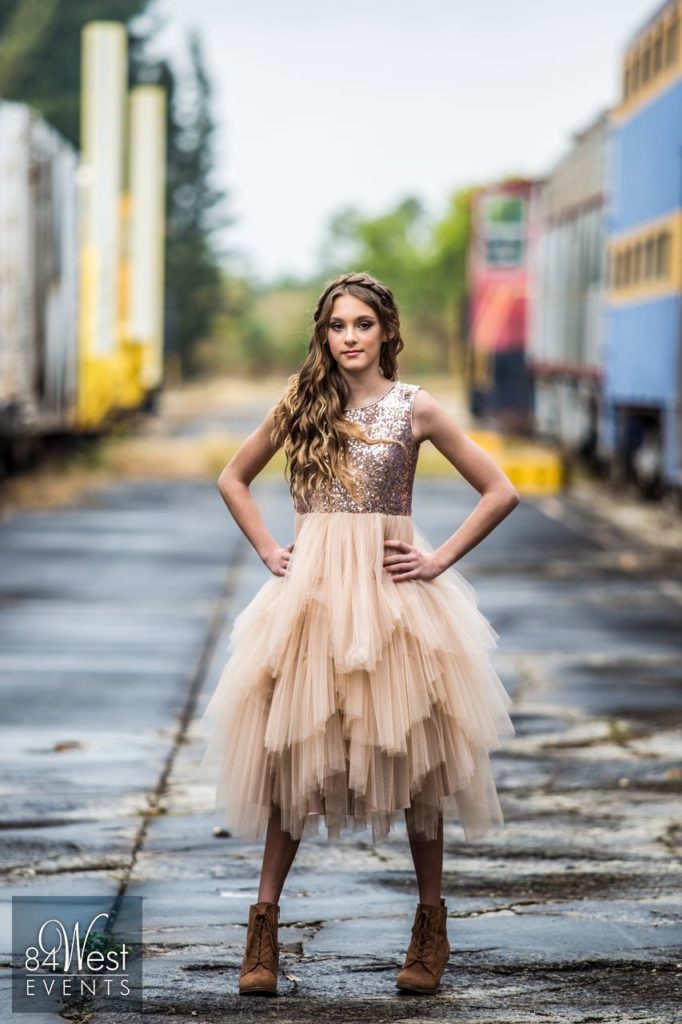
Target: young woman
<point>359,683</point>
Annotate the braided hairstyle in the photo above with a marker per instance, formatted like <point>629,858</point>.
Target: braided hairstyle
<point>309,420</point>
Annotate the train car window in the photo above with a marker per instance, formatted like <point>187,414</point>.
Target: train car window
<point>618,270</point>
<point>658,269</point>
<point>646,63</point>
<point>671,41</point>
<point>635,74</point>
<point>658,51</point>
<point>663,253</point>
<point>649,258</point>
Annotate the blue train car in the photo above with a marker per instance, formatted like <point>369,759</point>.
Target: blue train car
<point>641,420</point>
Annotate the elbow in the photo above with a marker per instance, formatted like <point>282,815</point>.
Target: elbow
<point>511,498</point>
<point>505,498</point>
<point>229,481</point>
<point>223,481</point>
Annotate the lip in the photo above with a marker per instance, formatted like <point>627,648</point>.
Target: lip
<point>353,352</point>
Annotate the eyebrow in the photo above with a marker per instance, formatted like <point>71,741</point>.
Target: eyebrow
<point>368,316</point>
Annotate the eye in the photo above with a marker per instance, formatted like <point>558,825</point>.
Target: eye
<point>366,325</point>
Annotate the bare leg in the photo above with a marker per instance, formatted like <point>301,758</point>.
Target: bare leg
<point>427,856</point>
<point>278,855</point>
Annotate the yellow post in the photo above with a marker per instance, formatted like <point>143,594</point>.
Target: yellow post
<point>147,230</point>
<point>103,90</point>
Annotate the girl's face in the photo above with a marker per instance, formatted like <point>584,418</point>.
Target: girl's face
<point>354,334</point>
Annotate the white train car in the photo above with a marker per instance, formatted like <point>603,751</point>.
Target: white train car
<point>39,278</point>
<point>568,273</point>
<point>82,243</point>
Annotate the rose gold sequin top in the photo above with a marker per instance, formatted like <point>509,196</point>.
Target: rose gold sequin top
<point>385,471</point>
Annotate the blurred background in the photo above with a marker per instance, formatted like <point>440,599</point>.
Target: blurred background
<point>178,181</point>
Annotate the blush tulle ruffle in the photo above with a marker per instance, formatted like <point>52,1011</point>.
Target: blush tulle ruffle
<point>350,695</point>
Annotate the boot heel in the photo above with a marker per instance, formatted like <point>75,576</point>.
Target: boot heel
<point>260,964</point>
<point>428,952</point>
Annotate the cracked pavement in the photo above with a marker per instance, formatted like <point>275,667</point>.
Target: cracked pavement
<point>115,615</point>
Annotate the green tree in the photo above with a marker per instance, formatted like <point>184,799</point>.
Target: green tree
<point>40,50</point>
<point>422,258</point>
<point>450,279</point>
<point>40,61</point>
<point>196,213</point>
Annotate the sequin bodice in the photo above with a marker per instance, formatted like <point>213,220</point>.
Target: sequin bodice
<point>385,471</point>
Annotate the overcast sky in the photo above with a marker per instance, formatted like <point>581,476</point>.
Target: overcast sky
<point>321,106</point>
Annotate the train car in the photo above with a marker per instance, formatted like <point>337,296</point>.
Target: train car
<point>39,280</point>
<point>500,386</point>
<point>81,257</point>
<point>568,271</point>
<point>642,426</point>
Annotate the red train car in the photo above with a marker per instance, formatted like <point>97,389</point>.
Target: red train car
<point>500,386</point>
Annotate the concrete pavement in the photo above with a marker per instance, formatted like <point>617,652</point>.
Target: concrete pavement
<point>114,621</point>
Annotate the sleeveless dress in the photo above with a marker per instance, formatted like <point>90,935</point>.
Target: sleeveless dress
<point>348,695</point>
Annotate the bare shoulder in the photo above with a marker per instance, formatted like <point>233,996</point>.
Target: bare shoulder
<point>430,418</point>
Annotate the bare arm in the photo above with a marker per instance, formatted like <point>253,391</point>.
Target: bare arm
<point>498,496</point>
<point>233,483</point>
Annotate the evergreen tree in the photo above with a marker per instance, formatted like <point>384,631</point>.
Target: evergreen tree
<point>196,212</point>
<point>40,52</point>
<point>40,61</point>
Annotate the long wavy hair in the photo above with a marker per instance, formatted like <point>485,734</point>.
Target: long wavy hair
<point>308,420</point>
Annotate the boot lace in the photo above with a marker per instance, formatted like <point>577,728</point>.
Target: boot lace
<point>263,947</point>
<point>423,938</point>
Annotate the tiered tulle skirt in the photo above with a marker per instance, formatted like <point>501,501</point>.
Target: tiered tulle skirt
<point>350,696</point>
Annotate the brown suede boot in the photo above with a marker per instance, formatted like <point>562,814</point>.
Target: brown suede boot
<point>428,952</point>
<point>261,957</point>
